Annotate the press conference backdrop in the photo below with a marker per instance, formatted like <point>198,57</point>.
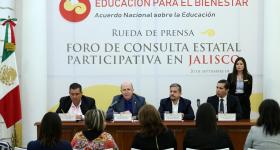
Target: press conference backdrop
<point>152,43</point>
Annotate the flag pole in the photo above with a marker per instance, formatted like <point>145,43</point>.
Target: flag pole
<point>14,136</point>
<point>8,71</point>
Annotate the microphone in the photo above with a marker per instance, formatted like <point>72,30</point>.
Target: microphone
<point>114,103</point>
<point>198,102</point>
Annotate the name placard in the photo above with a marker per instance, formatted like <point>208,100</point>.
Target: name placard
<point>67,117</point>
<point>122,117</point>
<point>173,117</point>
<point>226,117</point>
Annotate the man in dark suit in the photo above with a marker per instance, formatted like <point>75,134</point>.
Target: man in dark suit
<point>127,102</point>
<point>76,103</point>
<point>223,102</point>
<point>176,104</point>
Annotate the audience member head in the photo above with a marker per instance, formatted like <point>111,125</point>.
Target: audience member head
<point>95,120</point>
<point>127,90</point>
<point>150,120</point>
<point>206,118</point>
<point>175,91</point>
<point>240,66</point>
<point>222,88</point>
<point>269,117</point>
<point>75,92</point>
<point>50,131</point>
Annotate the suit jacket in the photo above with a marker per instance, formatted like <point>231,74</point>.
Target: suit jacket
<point>185,107</point>
<point>233,105</point>
<point>248,83</point>
<point>118,105</point>
<point>197,139</point>
<point>87,103</point>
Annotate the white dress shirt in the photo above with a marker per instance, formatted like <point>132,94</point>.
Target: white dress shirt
<point>75,110</point>
<point>175,107</point>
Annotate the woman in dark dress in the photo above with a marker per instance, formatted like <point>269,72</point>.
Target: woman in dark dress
<point>206,135</point>
<point>49,135</point>
<point>153,135</point>
<point>240,85</point>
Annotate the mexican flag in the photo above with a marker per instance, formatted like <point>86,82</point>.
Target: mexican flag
<point>10,107</point>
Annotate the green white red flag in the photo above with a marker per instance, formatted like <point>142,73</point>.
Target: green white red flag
<point>10,106</point>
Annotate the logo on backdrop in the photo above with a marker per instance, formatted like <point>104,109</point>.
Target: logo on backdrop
<point>74,10</point>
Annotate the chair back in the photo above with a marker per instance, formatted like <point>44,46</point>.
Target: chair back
<point>5,145</point>
<point>216,149</point>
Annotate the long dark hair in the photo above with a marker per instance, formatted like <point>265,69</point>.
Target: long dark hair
<point>150,120</point>
<point>269,117</point>
<point>234,71</point>
<point>50,131</point>
<point>206,120</point>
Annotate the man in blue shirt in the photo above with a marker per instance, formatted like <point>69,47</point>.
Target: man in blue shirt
<point>127,102</point>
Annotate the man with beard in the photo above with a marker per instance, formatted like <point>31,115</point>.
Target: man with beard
<point>176,104</point>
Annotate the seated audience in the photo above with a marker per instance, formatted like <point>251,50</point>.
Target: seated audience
<point>206,135</point>
<point>94,137</point>
<point>50,135</point>
<point>176,104</point>
<point>223,102</point>
<point>127,102</point>
<point>266,133</point>
<point>76,103</point>
<point>153,135</point>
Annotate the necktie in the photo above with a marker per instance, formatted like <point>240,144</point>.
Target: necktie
<point>221,106</point>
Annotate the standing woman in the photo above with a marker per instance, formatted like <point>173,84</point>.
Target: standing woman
<point>240,85</point>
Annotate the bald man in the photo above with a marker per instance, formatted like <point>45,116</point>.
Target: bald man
<point>126,102</point>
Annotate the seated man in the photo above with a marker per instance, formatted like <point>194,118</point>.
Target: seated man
<point>76,103</point>
<point>127,102</point>
<point>176,104</point>
<point>223,102</point>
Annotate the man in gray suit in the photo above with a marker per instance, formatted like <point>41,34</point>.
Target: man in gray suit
<point>127,102</point>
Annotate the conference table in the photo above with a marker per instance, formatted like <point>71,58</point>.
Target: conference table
<point>123,132</point>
